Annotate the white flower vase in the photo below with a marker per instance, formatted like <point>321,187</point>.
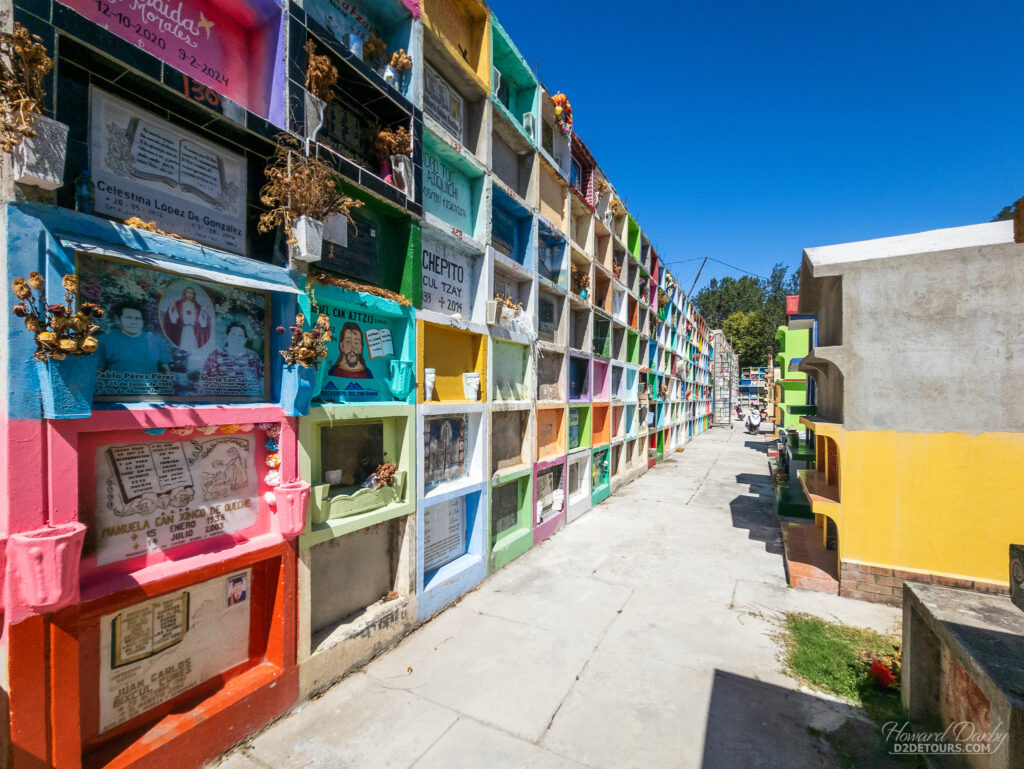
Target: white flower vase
<point>429,375</point>
<point>390,76</point>
<point>405,178</point>
<point>39,160</point>
<point>314,115</point>
<point>471,385</point>
<point>336,230</point>
<point>557,500</point>
<point>508,317</point>
<point>309,239</point>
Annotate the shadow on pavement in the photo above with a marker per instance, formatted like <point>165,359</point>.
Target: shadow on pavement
<point>763,526</point>
<point>756,724</point>
<point>757,445</point>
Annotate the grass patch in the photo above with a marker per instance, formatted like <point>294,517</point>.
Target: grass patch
<point>837,659</point>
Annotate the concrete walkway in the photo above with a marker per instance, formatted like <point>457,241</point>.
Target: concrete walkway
<point>641,636</point>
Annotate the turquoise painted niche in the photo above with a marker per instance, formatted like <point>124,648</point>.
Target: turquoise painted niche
<point>452,187</point>
<point>371,356</point>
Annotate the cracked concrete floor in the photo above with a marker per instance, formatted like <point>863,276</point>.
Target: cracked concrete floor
<point>641,635</point>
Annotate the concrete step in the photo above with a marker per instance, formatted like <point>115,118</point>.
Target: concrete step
<point>808,564</point>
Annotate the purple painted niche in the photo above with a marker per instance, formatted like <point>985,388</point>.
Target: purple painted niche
<point>549,497</point>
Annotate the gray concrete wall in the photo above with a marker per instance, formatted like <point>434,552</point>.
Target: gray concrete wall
<point>924,342</point>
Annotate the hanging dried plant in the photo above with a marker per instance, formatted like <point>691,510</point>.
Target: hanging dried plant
<point>401,61</point>
<point>299,186</point>
<point>602,187</point>
<point>141,224</point>
<point>616,206</point>
<point>307,348</point>
<point>60,329</point>
<point>321,74</point>
<point>374,50</point>
<point>392,141</point>
<point>350,285</point>
<point>23,65</point>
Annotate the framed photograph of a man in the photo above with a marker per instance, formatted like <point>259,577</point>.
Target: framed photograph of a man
<point>170,337</point>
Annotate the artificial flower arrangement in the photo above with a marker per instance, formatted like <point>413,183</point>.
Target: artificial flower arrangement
<point>563,113</point>
<point>374,50</point>
<point>299,186</point>
<point>307,348</point>
<point>580,280</point>
<point>615,206</point>
<point>321,74</point>
<point>401,61</point>
<point>392,141</point>
<point>602,187</point>
<point>384,475</point>
<point>60,330</point>
<point>510,303</point>
<point>662,299</point>
<point>617,269</point>
<point>23,65</point>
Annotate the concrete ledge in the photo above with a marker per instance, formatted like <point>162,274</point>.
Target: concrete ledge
<point>963,662</point>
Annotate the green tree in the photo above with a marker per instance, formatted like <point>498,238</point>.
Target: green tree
<point>760,302</point>
<point>720,298</point>
<point>752,336</point>
<point>1006,214</point>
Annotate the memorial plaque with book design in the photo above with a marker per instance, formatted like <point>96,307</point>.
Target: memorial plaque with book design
<point>155,495</point>
<point>146,167</point>
<point>151,652</point>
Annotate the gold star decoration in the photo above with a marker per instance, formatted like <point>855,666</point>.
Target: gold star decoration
<point>206,24</point>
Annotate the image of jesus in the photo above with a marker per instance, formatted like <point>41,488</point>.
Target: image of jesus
<point>350,363</point>
<point>186,323</point>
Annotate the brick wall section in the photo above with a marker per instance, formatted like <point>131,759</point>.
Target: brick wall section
<point>883,585</point>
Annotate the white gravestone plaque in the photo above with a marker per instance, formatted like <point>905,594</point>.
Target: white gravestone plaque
<point>153,651</point>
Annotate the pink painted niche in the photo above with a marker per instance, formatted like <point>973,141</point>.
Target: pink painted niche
<point>164,491</point>
<point>549,498</point>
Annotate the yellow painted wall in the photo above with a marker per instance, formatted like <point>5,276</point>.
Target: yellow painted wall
<point>943,503</point>
<point>462,26</point>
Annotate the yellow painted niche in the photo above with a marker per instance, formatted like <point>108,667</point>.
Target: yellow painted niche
<point>463,27</point>
<point>942,503</point>
<point>451,352</point>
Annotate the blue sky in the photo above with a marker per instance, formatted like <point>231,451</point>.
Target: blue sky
<point>748,131</point>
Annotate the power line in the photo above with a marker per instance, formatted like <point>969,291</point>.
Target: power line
<point>738,269</point>
<point>712,259</point>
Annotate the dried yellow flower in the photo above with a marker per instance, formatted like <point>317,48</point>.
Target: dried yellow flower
<point>36,281</point>
<point>21,288</point>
